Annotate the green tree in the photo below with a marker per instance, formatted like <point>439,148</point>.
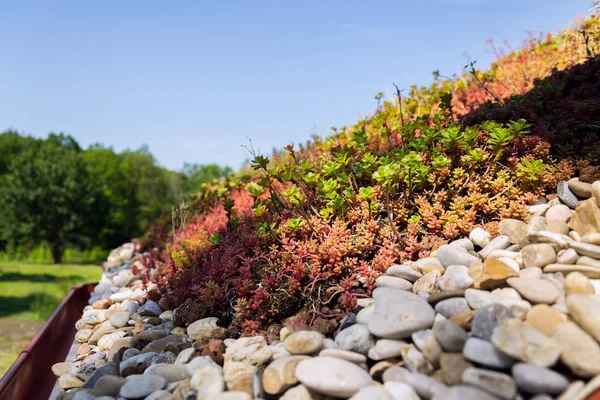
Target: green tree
<point>46,196</point>
<point>195,175</point>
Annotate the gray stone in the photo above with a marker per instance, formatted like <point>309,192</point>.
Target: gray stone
<point>451,307</point>
<point>386,348</point>
<point>356,338</point>
<point>332,376</point>
<point>498,243</point>
<point>364,315</point>
<point>452,366</point>
<point>487,318</point>
<point>428,345</point>
<point>451,336</point>
<point>452,255</point>
<point>464,393</point>
<point>533,379</point>
<point>536,224</point>
<point>464,243</point>
<point>393,282</point>
<point>415,361</point>
<point>161,395</point>
<point>150,308</point>
<point>535,290</point>
<point>456,277</point>
<point>139,386</point>
<point>109,368</point>
<point>395,374</point>
<point>496,383</point>
<point>485,353</point>
<point>566,195</point>
<point>404,272</point>
<point>398,314</point>
<point>171,372</point>
<point>370,393</point>
<point>425,386</point>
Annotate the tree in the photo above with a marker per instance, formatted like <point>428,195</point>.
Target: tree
<point>195,175</point>
<point>46,196</point>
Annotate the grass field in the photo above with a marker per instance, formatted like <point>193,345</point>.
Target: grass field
<point>29,293</point>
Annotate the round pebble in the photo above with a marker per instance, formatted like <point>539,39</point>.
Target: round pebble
<point>332,376</point>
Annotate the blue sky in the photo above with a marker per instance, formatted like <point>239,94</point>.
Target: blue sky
<point>194,79</point>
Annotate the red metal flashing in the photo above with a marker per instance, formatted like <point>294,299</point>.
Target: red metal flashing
<point>31,377</point>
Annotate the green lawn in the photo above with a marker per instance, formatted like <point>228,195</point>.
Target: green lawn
<point>29,293</point>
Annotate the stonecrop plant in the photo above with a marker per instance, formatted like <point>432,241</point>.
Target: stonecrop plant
<point>311,227</point>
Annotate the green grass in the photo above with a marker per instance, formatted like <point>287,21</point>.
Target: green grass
<point>29,293</point>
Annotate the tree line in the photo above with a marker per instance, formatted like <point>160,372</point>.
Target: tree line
<point>55,193</point>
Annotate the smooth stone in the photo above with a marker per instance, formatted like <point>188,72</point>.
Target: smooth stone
<point>590,390</point>
<point>119,319</point>
<point>498,243</point>
<point>566,195</point>
<point>463,243</point>
<point>588,261</point>
<point>150,308</point>
<point>479,298</point>
<point>572,391</point>
<point>521,341</point>
<point>351,356</point>
<point>83,335</point>
<point>535,290</point>
<point>304,342</point>
<point>356,338</point>
<point>464,320</point>
<point>544,318</point>
<point>280,375</point>
<point>404,272</point>
<point>427,265</point>
<point>558,212</point>
<point>596,192</point>
<point>452,367</point>
<point>538,209</point>
<point>485,353</point>
<point>587,270</point>
<point>507,292</point>
<point>377,370</point>
<point>538,255</point>
<point>496,383</point>
<point>415,361</point>
<point>400,391</point>
<point>364,302</point>
<point>580,352</point>
<point>386,348</point>
<point>121,296</point>
<point>514,229</point>
<point>495,272</point>
<point>592,238</point>
<point>436,297</point>
<point>61,368</point>
<point>451,337</point>
<point>585,310</point>
<point>398,314</point>
<point>480,237</point>
<point>393,282</point>
<point>108,369</point>
<point>577,283</point>
<point>395,374</point>
<point>586,219</point>
<point>249,350</point>
<point>332,376</point>
<point>68,381</point>
<point>372,393</point>
<point>568,256</point>
<point>463,393</point>
<point>556,240</point>
<point>427,343</point>
<point>452,255</point>
<point>198,328</point>
<point>425,386</point>
<point>556,226</point>
<point>108,385</point>
<point>160,395</point>
<point>536,224</point>
<point>171,372</point>
<point>581,189</point>
<point>451,307</point>
<point>487,318</point>
<point>537,380</point>
<point>209,384</point>
<point>364,315</point>
<point>428,283</point>
<point>106,341</point>
<point>456,277</point>
<point>138,386</point>
<point>586,249</point>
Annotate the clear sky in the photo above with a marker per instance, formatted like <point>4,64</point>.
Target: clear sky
<point>194,79</point>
